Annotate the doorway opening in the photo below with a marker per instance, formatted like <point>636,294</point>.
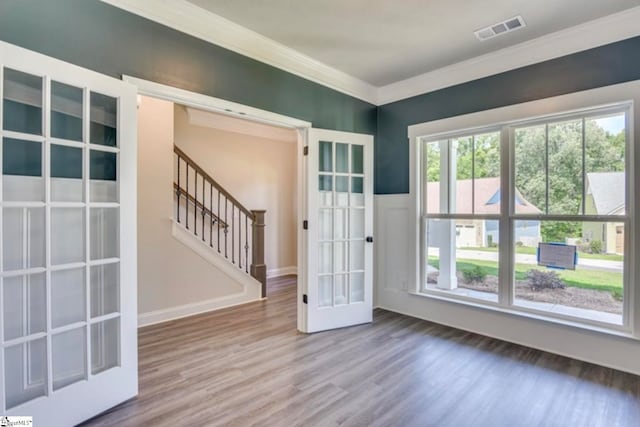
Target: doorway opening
<point>205,165</point>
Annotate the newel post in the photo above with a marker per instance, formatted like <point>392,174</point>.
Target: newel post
<point>258,267</point>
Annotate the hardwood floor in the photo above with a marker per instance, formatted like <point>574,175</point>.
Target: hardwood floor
<point>247,366</point>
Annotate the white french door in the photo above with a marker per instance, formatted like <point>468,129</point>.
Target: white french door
<point>339,241</point>
<point>68,239</point>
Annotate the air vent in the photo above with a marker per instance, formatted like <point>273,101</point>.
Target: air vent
<point>500,28</point>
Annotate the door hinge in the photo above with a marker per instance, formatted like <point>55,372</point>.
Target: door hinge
<point>305,150</point>
<point>304,299</point>
<point>305,225</point>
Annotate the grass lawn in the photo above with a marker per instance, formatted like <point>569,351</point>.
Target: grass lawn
<point>532,251</point>
<point>587,279</point>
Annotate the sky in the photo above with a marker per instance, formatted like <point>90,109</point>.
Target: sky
<point>613,124</point>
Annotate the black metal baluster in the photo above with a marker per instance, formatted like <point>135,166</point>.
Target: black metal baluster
<point>203,212</point>
<point>246,243</point>
<point>233,231</point>
<point>239,239</point>
<point>186,199</point>
<point>219,221</point>
<point>195,204</point>
<point>178,192</point>
<point>226,226</point>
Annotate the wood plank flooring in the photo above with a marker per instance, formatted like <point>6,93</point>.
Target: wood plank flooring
<point>247,366</point>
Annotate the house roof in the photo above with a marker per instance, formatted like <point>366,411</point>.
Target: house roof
<point>607,189</point>
<point>486,197</point>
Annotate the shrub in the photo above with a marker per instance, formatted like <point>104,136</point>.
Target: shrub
<point>539,280</point>
<point>595,246</point>
<point>474,274</point>
<point>617,295</point>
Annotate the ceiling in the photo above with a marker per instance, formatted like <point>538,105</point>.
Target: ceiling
<point>385,41</point>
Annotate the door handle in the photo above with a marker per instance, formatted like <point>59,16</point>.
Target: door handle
<point>369,239</point>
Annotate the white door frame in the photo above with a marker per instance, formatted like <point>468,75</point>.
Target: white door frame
<point>245,112</point>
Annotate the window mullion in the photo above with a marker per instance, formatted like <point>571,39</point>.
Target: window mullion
<point>505,244</point>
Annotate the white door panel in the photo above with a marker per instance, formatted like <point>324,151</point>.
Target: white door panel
<point>68,309</point>
<point>340,229</point>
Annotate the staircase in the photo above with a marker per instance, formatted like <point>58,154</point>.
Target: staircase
<point>208,211</point>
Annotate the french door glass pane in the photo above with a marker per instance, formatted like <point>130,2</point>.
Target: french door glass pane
<point>325,264</point>
<point>104,115</point>
<point>340,224</point>
<point>66,174</point>
<point>69,357</point>
<point>25,372</point>
<point>67,235</point>
<point>67,297</point>
<point>342,159</point>
<point>21,158</point>
<point>342,184</point>
<point>356,257</point>
<point>325,183</point>
<point>326,157</point>
<point>66,111</point>
<point>356,219</point>
<point>357,159</point>
<point>22,171</point>
<point>24,305</point>
<point>341,289</point>
<point>325,224</point>
<point>357,184</point>
<point>105,348</point>
<point>22,102</point>
<point>325,291</point>
<point>104,233</point>
<point>23,237</point>
<point>356,286</point>
<point>341,254</point>
<point>105,289</point>
<point>104,174</point>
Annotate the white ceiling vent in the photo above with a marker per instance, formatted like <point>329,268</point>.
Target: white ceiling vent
<point>500,28</point>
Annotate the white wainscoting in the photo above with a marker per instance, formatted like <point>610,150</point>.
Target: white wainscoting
<point>394,255</point>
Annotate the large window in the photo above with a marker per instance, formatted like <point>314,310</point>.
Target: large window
<point>530,215</point>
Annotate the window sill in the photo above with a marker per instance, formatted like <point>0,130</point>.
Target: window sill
<point>530,313</point>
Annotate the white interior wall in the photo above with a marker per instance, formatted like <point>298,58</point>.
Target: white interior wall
<point>173,280</point>
<point>259,172</point>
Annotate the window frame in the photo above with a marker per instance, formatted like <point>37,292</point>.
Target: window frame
<point>525,116</point>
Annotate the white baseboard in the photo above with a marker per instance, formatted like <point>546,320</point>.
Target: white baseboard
<point>282,271</point>
<point>186,310</point>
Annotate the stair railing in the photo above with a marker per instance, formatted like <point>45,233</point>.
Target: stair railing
<point>208,210</point>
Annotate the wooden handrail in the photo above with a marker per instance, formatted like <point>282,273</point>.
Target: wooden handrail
<point>214,218</point>
<point>212,181</point>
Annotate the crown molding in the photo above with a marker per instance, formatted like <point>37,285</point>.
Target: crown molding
<point>195,21</point>
<point>601,31</point>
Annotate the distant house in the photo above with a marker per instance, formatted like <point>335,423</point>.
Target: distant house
<point>486,200</point>
<point>605,196</point>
